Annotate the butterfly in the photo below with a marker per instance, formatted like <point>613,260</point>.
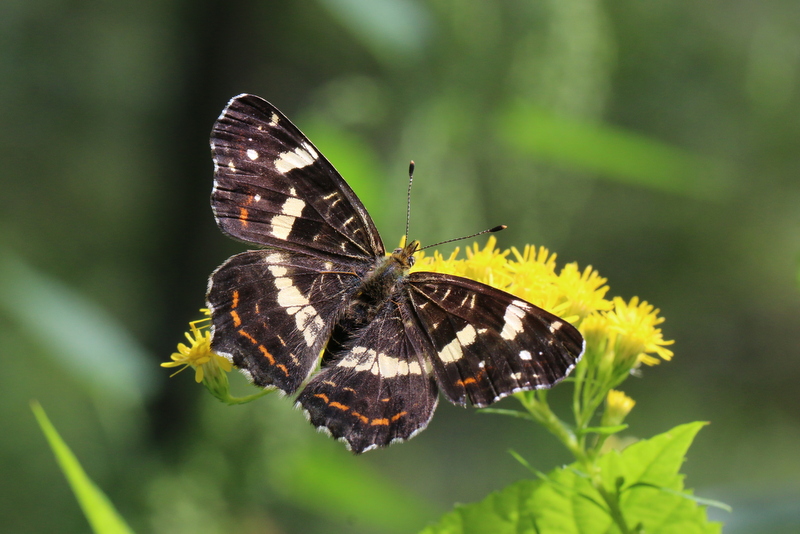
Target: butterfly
<point>323,285</point>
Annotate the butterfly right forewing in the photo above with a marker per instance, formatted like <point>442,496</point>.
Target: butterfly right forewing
<point>489,343</point>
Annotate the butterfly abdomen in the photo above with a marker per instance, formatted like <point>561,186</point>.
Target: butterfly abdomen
<point>376,288</point>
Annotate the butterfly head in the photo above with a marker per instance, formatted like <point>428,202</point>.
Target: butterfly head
<point>404,256</point>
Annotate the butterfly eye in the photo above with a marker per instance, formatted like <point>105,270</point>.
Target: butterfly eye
<point>411,261</point>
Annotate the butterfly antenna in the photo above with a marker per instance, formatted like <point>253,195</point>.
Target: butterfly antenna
<point>489,231</point>
<point>408,196</point>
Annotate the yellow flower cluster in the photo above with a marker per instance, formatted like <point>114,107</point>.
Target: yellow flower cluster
<point>579,296</point>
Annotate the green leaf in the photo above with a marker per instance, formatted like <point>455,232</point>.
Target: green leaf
<point>613,152</point>
<point>99,511</point>
<point>566,502</point>
<point>505,512</point>
<point>656,462</point>
<point>699,500</point>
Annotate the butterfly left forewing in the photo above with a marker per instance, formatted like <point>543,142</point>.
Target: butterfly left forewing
<point>272,187</point>
<point>488,343</point>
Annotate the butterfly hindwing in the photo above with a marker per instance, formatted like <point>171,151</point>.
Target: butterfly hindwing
<point>272,312</point>
<point>488,343</point>
<point>381,389</point>
<point>272,186</point>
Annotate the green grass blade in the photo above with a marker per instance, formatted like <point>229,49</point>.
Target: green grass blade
<point>99,511</point>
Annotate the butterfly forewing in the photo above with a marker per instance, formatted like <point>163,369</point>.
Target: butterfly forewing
<point>381,389</point>
<point>489,343</point>
<point>272,312</point>
<point>272,186</point>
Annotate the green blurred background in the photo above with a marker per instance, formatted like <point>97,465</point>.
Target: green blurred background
<point>658,141</point>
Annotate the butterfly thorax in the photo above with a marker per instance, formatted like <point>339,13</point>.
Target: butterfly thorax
<point>377,286</point>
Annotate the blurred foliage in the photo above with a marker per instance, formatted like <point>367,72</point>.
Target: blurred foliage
<point>106,229</point>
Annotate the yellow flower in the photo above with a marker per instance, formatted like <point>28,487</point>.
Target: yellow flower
<point>533,278</point>
<point>633,325</point>
<point>595,331</point>
<point>198,353</point>
<point>438,264</point>
<point>585,291</point>
<point>618,406</point>
<point>488,265</point>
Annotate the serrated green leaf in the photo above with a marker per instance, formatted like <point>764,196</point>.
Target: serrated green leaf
<point>566,502</point>
<point>98,509</point>
<point>503,512</point>
<point>656,462</point>
<point>570,504</point>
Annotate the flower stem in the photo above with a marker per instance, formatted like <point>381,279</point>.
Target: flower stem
<point>231,401</point>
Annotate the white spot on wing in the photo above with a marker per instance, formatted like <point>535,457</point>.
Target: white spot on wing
<point>273,121</point>
<point>555,326</point>
<point>282,283</point>
<point>311,150</point>
<point>277,271</point>
<point>513,321</point>
<point>289,295</point>
<point>389,366</point>
<point>297,159</point>
<point>257,198</point>
<point>282,226</point>
<point>252,154</point>
<point>451,352</point>
<point>293,207</point>
<point>467,335</point>
<point>525,355</point>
